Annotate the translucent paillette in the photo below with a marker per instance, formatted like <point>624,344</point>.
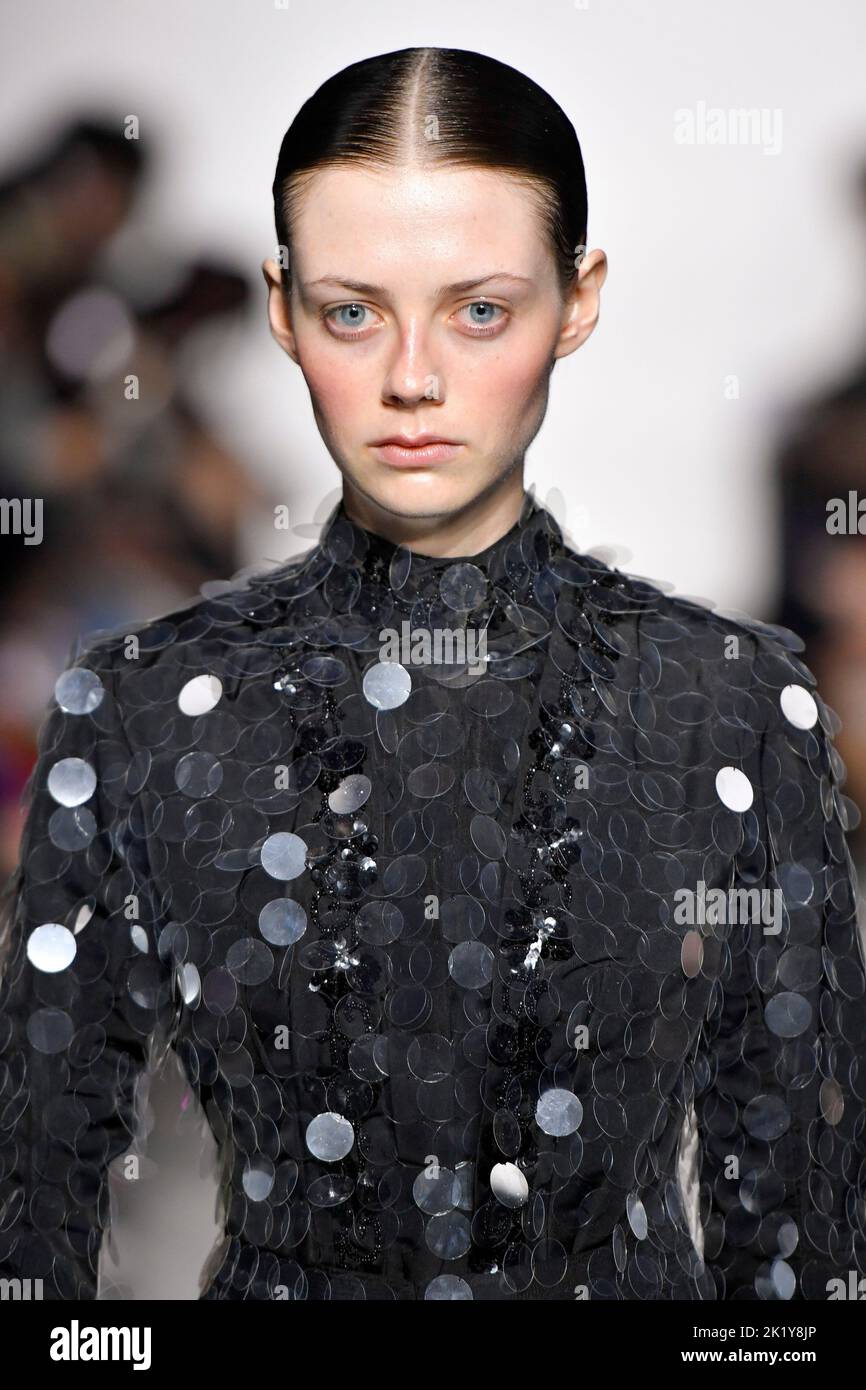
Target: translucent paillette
<point>473,895</point>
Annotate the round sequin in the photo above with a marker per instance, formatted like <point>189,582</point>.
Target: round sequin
<point>79,691</point>
<point>734,788</point>
<point>189,983</point>
<point>436,1191</point>
<point>71,781</point>
<point>471,964</point>
<point>788,1014</point>
<point>448,1287</point>
<point>198,774</point>
<point>199,695</point>
<point>558,1112</point>
<point>282,921</point>
<point>463,586</point>
<point>387,685</point>
<point>329,1137</point>
<point>799,707</point>
<point>258,1180</point>
<point>448,1236</point>
<point>72,828</point>
<point>51,947</point>
<point>283,855</point>
<point>508,1184</point>
<point>351,794</point>
<point>49,1030</point>
<point>637,1216</point>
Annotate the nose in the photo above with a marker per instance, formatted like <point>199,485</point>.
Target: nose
<point>412,375</point>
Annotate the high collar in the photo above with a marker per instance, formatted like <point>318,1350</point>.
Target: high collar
<point>463,582</point>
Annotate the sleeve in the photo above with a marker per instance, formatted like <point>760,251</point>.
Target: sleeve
<point>781,1108</point>
<point>85,1000</point>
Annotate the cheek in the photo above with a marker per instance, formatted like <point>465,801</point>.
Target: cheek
<point>339,394</point>
<point>507,381</point>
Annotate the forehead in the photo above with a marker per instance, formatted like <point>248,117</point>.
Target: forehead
<point>383,221</point>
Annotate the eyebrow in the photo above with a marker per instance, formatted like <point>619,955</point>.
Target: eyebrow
<point>459,287</point>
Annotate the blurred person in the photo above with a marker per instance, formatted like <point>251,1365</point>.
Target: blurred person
<point>820,473</point>
<point>144,488</point>
<point>56,212</point>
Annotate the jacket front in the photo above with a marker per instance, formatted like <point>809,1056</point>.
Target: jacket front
<point>473,894</point>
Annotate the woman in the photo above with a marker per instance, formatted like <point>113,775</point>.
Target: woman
<point>472,880</point>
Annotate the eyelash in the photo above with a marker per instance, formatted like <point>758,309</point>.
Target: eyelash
<point>483,333</point>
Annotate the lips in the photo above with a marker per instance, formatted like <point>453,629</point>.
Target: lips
<point>415,451</point>
<point>413,441</point>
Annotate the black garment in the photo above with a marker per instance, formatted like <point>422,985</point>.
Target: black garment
<point>455,955</point>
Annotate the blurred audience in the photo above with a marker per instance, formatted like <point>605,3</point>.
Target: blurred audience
<point>141,501</point>
<point>821,478</point>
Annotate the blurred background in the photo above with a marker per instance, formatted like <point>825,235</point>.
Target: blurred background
<point>699,437</point>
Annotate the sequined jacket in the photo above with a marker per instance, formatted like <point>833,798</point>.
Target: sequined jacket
<point>535,976</point>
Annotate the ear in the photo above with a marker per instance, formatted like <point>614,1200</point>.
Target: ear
<point>580,314</point>
<point>279,312</point>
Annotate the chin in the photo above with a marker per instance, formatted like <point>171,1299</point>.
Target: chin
<point>420,493</point>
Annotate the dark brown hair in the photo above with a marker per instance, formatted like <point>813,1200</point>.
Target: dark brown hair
<point>448,106</point>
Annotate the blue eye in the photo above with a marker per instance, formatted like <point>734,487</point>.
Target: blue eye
<point>485,318</point>
<point>354,310</point>
<point>349,320</point>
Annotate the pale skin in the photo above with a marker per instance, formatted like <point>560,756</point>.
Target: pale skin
<point>409,353</point>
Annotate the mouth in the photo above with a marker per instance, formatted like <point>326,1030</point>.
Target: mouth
<point>408,451</point>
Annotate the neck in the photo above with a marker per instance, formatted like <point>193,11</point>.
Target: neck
<point>467,531</point>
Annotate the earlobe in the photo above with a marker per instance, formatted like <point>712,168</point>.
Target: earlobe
<point>285,338</point>
<point>576,329</point>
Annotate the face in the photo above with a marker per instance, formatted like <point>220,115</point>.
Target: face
<point>425,301</point>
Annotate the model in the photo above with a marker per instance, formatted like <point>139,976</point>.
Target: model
<point>474,882</point>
